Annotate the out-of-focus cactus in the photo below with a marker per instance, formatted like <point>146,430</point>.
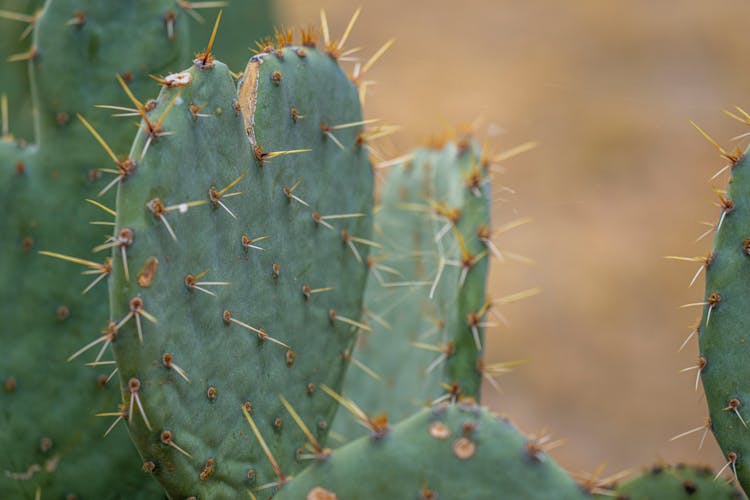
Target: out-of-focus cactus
<point>52,439</point>
<point>239,266</point>
<point>673,483</point>
<point>425,298</point>
<point>245,22</point>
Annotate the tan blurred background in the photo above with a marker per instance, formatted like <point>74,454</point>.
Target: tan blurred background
<point>620,180</point>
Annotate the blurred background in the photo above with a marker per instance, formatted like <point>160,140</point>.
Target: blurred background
<point>620,180</point>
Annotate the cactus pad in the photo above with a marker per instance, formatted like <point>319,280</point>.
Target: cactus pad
<point>425,298</point>
<point>239,267</point>
<point>451,451</point>
<point>724,348</point>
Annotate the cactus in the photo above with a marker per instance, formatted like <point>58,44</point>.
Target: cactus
<point>417,304</point>
<point>722,364</point>
<point>673,483</point>
<point>53,440</point>
<point>425,297</point>
<point>245,21</point>
<point>448,451</point>
<point>238,266</point>
<point>77,48</point>
<point>239,259</point>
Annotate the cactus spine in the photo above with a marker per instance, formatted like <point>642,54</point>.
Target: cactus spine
<point>238,262</point>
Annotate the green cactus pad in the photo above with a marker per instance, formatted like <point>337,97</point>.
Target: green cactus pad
<point>452,451</point>
<point>674,483</point>
<point>53,442</point>
<point>280,237</point>
<point>723,333</point>
<point>425,297</point>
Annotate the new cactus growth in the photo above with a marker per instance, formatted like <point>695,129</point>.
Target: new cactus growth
<point>48,426</point>
<point>448,451</point>
<point>239,267</point>
<point>673,483</point>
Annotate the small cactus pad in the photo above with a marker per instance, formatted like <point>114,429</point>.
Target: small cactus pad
<point>425,296</point>
<point>244,230</point>
<point>52,439</point>
<point>723,332</point>
<point>448,451</point>
<point>674,483</point>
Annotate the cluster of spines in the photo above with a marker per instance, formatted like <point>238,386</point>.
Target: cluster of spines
<point>308,37</point>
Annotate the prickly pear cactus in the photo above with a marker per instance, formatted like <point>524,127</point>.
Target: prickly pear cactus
<point>724,348</point>
<point>52,440</point>
<point>425,298</point>
<point>674,483</point>
<point>239,267</point>
<point>449,451</point>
